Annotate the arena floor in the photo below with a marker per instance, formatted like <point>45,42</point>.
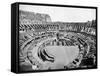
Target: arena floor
<point>63,56</point>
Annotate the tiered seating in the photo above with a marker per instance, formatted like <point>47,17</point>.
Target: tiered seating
<point>71,34</point>
<point>37,30</point>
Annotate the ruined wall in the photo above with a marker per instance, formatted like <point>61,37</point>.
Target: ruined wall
<point>26,17</point>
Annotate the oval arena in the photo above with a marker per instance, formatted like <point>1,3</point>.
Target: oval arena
<point>47,45</point>
<point>55,46</point>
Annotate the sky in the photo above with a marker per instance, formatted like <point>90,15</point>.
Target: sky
<point>63,14</point>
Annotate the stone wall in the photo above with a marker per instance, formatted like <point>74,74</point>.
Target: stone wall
<point>26,17</point>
